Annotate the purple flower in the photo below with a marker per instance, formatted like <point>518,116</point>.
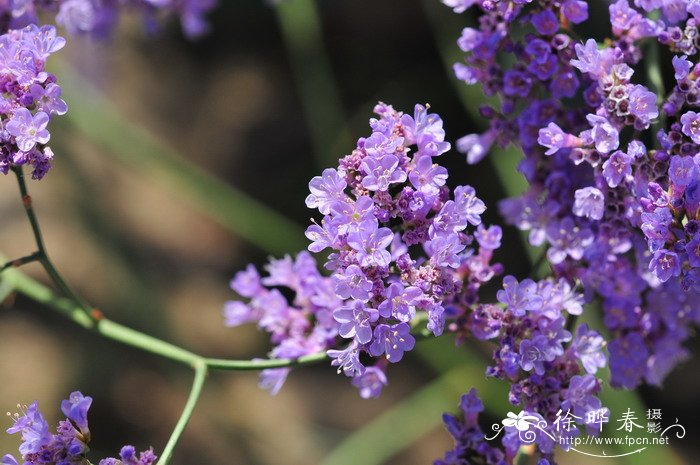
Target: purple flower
<point>355,321</point>
<point>566,238</point>
<point>533,354</point>
<point>603,134</point>
<point>665,264</point>
<point>476,146</point>
<point>579,397</point>
<point>575,11</point>
<point>682,170</point>
<point>351,216</point>
<point>76,409</point>
<point>691,125</point>
<point>489,238</point>
<point>34,429</point>
<point>588,347</point>
<point>589,202</point>
<point>370,383</point>
<point>392,340</point>
<point>272,379</point>
<point>326,189</point>
<point>381,172</point>
<point>467,201</point>
<point>28,130</point>
<point>347,360</point>
<point>519,297</point>
<point>444,250</point>
<point>321,236</point>
<point>590,59</point>
<point>681,67</point>
<point>555,139</point>
<point>352,283</point>
<point>516,83</point>
<point>428,177</point>
<point>545,22</point>
<point>247,283</point>
<point>371,245</point>
<point>643,104</point>
<point>617,167</point>
<point>400,302</point>
<point>425,130</point>
<point>692,248</point>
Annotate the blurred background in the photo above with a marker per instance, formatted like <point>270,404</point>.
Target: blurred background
<point>179,163</point>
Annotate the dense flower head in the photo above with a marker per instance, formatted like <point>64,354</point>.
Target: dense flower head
<point>30,98</point>
<point>69,445</point>
<point>400,240</point>
<point>614,188</point>
<point>99,18</point>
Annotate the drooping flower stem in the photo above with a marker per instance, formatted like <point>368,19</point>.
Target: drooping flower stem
<point>41,253</point>
<point>17,262</point>
<point>200,374</point>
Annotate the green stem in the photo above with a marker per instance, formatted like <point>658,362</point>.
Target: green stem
<point>200,374</point>
<point>41,253</point>
<point>131,337</point>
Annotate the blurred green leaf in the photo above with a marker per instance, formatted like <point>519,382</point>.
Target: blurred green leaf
<point>301,30</point>
<point>98,119</point>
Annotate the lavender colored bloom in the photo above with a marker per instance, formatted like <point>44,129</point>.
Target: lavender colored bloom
<point>347,360</point>
<point>603,134</point>
<point>352,216</point>
<point>683,170</point>
<point>34,430</point>
<point>428,177</point>
<point>643,104</point>
<point>617,167</point>
<point>353,283</point>
<point>534,353</point>
<point>692,248</point>
<point>272,379</point>
<point>325,190</point>
<point>467,201</point>
<point>691,125</point>
<point>579,397</point>
<point>355,321</point>
<point>567,239</point>
<point>555,139</point>
<point>76,409</point>
<point>444,250</point>
<point>381,172</point>
<point>371,245</point>
<point>589,202</point>
<point>370,383</point>
<point>575,11</point>
<point>588,348</point>
<point>665,264</point>
<point>489,238</point>
<point>517,83</point>
<point>519,297</point>
<point>392,340</point>
<point>545,22</point>
<point>400,302</point>
<point>28,129</point>
<point>476,146</point>
<point>681,67</point>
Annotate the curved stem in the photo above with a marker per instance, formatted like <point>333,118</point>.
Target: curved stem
<point>41,255</point>
<point>200,375</point>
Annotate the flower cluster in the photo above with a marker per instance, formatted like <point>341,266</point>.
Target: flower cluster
<point>614,182</point>
<point>98,18</point>
<point>400,248</point>
<point>30,97</point>
<point>468,436</point>
<point>301,327</point>
<point>69,445</point>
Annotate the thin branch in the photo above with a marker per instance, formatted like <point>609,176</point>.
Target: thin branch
<point>200,375</point>
<point>17,262</point>
<point>42,254</point>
